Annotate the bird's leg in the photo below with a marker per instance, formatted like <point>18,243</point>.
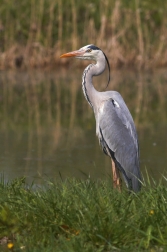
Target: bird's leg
<point>116,176</point>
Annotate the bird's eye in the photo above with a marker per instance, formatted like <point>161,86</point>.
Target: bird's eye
<point>89,50</point>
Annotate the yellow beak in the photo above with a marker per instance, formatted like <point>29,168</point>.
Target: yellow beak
<point>72,54</point>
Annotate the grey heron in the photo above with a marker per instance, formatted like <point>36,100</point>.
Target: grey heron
<point>114,124</point>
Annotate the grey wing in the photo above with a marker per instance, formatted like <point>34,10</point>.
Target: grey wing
<point>118,137</point>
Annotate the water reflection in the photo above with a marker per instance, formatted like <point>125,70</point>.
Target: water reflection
<point>48,128</point>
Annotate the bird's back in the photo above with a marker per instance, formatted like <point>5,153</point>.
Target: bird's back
<point>117,134</point>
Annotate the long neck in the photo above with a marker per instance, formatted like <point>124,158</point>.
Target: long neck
<point>90,93</point>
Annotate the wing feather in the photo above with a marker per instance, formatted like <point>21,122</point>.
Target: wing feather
<point>118,137</point>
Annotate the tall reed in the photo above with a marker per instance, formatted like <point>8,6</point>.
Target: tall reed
<point>132,32</point>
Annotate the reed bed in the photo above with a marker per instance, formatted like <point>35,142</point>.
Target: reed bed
<point>77,215</point>
<point>34,33</point>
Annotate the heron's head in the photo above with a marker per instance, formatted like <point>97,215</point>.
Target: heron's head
<point>88,52</point>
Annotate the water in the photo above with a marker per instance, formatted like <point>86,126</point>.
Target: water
<point>47,129</point>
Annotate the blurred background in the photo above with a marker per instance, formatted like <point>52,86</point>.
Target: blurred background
<point>33,33</point>
<point>47,129</point>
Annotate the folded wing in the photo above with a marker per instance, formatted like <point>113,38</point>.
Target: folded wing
<point>118,137</point>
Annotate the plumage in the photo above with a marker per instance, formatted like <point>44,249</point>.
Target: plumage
<point>114,124</point>
<point>118,136</point>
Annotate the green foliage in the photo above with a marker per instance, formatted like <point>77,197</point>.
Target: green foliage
<point>34,33</point>
<point>50,21</point>
<point>78,215</point>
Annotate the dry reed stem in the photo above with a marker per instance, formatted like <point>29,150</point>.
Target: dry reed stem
<point>33,26</point>
<point>48,39</point>
<point>60,22</point>
<point>140,35</point>
<point>100,40</point>
<point>114,47</point>
<point>115,35</point>
<point>74,25</point>
<point>39,20</point>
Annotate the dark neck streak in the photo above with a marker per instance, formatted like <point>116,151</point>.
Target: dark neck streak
<point>87,86</point>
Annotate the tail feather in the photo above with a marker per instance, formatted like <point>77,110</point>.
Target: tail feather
<point>136,182</point>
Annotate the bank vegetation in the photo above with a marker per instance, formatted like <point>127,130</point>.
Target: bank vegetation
<point>77,215</point>
<point>34,33</point>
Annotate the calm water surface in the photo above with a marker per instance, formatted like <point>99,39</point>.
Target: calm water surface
<point>47,128</point>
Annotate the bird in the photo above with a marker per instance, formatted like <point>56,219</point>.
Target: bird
<point>115,127</point>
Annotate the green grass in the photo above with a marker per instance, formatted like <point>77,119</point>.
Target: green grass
<point>77,215</point>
